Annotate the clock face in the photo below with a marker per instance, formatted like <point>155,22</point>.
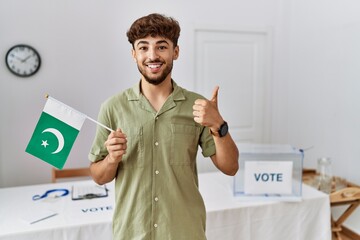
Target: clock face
<point>23,60</point>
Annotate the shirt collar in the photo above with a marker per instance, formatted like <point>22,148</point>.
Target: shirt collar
<point>177,94</point>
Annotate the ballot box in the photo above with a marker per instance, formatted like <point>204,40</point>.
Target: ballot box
<point>269,171</point>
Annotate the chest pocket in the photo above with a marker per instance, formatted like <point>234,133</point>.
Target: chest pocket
<point>134,156</point>
<point>184,144</point>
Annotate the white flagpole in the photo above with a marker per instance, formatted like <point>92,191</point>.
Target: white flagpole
<point>98,123</point>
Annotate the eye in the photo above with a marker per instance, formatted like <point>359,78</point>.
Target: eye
<point>162,48</point>
<point>143,48</point>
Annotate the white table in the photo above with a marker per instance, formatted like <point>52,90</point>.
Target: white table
<point>228,218</point>
<point>76,220</point>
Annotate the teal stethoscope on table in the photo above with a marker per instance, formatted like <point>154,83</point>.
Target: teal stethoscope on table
<point>65,192</point>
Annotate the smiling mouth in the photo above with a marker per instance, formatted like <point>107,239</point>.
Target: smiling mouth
<point>154,66</point>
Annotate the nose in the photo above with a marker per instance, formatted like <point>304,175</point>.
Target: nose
<point>152,54</point>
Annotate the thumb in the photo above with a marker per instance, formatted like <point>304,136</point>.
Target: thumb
<point>214,96</point>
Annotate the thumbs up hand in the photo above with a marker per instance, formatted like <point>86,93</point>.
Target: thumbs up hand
<point>206,112</point>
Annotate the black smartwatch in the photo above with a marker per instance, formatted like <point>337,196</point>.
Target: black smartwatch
<point>223,130</point>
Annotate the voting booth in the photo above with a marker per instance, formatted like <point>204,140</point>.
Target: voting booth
<point>269,171</point>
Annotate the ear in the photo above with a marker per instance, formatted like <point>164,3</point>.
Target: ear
<point>133,53</point>
<point>176,52</point>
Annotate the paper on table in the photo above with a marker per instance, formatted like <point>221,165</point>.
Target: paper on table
<point>38,215</point>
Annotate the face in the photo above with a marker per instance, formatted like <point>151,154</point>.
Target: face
<point>154,57</point>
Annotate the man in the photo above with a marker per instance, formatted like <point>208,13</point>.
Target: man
<point>152,154</point>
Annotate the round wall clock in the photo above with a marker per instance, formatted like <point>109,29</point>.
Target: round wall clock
<point>23,60</point>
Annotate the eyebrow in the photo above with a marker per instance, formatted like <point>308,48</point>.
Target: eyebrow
<point>146,42</point>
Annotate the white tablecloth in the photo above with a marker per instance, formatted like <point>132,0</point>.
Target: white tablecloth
<point>76,220</point>
<point>228,218</point>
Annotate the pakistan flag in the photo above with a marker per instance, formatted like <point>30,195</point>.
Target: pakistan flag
<point>55,133</point>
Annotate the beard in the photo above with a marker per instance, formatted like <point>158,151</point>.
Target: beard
<point>156,80</point>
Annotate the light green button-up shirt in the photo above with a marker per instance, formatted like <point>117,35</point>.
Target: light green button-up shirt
<point>157,196</point>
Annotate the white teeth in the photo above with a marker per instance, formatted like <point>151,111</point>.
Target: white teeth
<point>154,66</point>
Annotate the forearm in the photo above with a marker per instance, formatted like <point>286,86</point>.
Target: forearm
<point>227,155</point>
<point>103,171</point>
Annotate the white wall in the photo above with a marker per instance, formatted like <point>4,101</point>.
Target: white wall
<point>86,58</point>
<point>323,65</point>
<point>323,89</point>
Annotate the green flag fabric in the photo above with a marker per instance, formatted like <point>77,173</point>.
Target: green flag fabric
<point>55,133</point>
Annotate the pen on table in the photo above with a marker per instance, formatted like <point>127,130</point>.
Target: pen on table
<point>44,218</point>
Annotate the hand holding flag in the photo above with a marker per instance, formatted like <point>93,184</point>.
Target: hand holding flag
<point>116,145</point>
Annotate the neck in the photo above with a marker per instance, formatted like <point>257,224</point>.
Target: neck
<point>156,94</point>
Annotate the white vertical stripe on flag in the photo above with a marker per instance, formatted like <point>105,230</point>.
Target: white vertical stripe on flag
<point>64,113</point>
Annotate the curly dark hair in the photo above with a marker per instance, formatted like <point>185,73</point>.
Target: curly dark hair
<point>154,25</point>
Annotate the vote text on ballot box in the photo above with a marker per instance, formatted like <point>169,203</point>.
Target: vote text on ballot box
<point>269,171</point>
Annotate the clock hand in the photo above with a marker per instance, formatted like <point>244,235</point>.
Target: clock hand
<point>24,60</point>
<point>21,60</point>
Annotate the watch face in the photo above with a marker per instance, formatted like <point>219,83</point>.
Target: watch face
<point>23,60</point>
<point>223,129</point>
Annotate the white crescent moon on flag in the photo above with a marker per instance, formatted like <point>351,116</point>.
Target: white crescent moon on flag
<point>59,137</point>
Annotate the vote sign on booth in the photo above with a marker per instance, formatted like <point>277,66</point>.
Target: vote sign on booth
<point>268,177</point>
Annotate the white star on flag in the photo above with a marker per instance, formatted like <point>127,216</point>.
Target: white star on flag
<point>44,143</point>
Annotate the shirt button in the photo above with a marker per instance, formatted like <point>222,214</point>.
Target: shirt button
<point>156,199</point>
<point>156,118</point>
<point>157,172</point>
<point>155,225</point>
<point>156,144</point>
